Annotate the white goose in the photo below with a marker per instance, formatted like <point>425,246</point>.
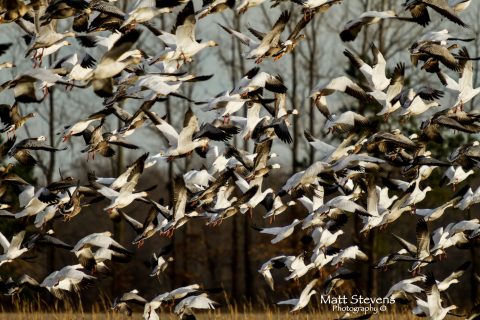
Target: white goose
<point>432,308</point>
<point>143,11</point>
<point>469,199</point>
<point>459,5</point>
<point>456,175</point>
<point>435,213</point>
<point>186,306</point>
<point>280,233</point>
<point>68,278</point>
<point>304,298</point>
<point>416,196</point>
<point>350,253</point>
<point>183,45</point>
<point>464,86</point>
<point>403,287</point>
<point>12,250</point>
<point>375,74</point>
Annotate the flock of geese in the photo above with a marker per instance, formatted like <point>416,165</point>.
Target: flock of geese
<point>351,181</point>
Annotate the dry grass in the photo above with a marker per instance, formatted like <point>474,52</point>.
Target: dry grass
<point>269,315</point>
<point>28,311</point>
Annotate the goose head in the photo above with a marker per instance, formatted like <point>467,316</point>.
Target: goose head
<point>311,293</point>
<point>212,43</point>
<point>41,138</point>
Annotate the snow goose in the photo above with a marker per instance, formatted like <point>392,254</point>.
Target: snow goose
<point>114,61</point>
<point>456,175</point>
<point>353,27</point>
<point>256,197</point>
<point>178,214</point>
<point>347,254</point>
<point>214,6</point>
<point>63,9</point>
<point>159,263</point>
<point>459,5</point>
<point>445,237</point>
<point>255,79</point>
<point>12,250</point>
<point>107,249</point>
<point>440,37</point>
<point>278,125</point>
<point>275,262</point>
<point>190,138</point>
<point>375,74</point>
<point>340,84</point>
<point>353,160</point>
<point>416,196</point>
<point>146,10</point>
<point>26,86</point>
<point>395,87</point>
<point>226,104</point>
<point>122,303</point>
<point>298,268</point>
<point>464,86</point>
<point>69,278</point>
<point>388,141</point>
<point>453,277</point>
<point>405,289</point>
<point>82,70</point>
<point>186,45</point>
<point>338,278</point>
<point>179,293</point>
<point>197,180</point>
<point>326,236</point>
<point>321,258</point>
<point>276,206</point>
<point>392,214</point>
<point>328,152</point>
<point>21,150</point>
<point>12,119</point>
<point>156,220</point>
<point>162,85</point>
<point>419,11</point>
<point>312,204</point>
<point>422,256</point>
<point>304,179</point>
<point>99,142</point>
<point>386,261</point>
<point>433,306</point>
<point>413,102</point>
<point>280,233</point>
<point>125,194</point>
<point>304,298</point>
<point>81,125</point>
<point>247,4</point>
<point>239,205</point>
<point>426,50</point>
<point>186,306</point>
<point>311,7</point>
<point>16,286</point>
<point>46,41</point>
<point>258,50</point>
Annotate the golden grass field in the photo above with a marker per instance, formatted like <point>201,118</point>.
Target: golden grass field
<point>269,315</point>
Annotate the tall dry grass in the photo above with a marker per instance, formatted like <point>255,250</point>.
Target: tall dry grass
<point>102,311</point>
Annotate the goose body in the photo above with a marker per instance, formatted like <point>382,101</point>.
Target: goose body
<point>304,298</point>
<point>13,249</point>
